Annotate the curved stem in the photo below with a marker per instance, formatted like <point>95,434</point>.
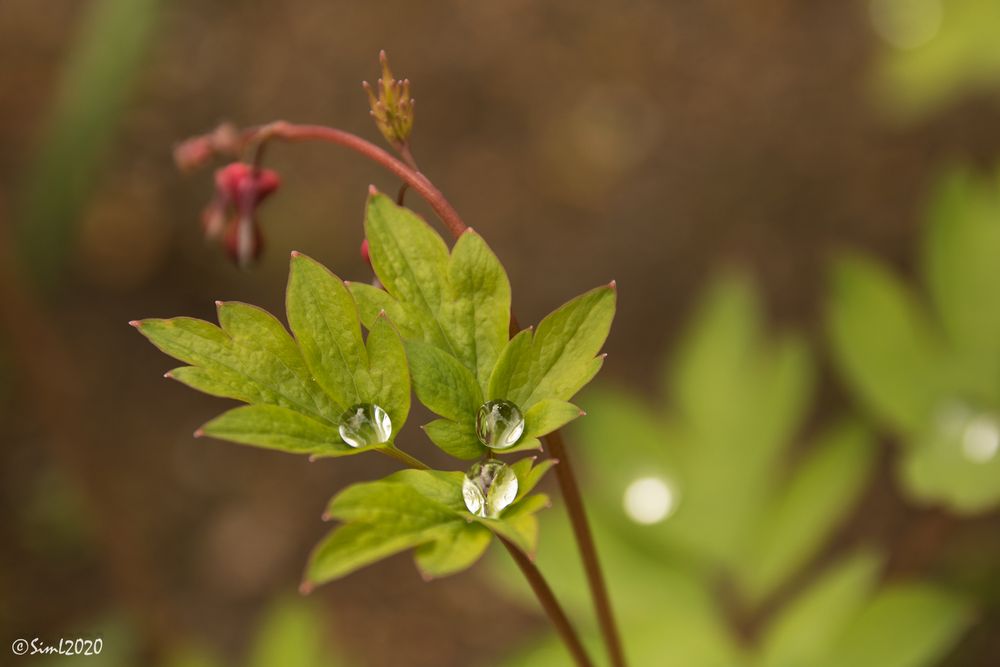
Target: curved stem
<point>291,132</point>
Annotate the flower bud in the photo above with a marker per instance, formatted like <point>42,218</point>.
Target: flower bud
<point>392,107</point>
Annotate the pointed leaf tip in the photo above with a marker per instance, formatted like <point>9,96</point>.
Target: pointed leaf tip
<point>326,516</point>
<point>199,433</point>
<point>306,587</point>
<point>295,253</point>
<point>135,323</point>
<point>168,375</point>
<point>613,285</point>
<point>372,190</point>
<point>219,304</point>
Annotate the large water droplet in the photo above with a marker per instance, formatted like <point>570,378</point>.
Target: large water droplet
<point>499,424</point>
<point>365,424</point>
<point>488,488</point>
<point>650,500</point>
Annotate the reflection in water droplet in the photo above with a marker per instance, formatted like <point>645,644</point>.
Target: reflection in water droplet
<point>907,24</point>
<point>650,500</point>
<point>365,424</point>
<point>981,438</point>
<point>499,424</point>
<point>488,488</point>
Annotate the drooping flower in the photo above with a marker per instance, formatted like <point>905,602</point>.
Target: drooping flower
<point>231,215</point>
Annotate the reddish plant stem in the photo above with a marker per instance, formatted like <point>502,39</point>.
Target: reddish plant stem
<point>568,486</point>
<point>413,178</point>
<point>549,603</point>
<point>588,551</point>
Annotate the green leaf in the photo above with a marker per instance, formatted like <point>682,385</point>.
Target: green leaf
<point>907,625</point>
<point>372,301</point>
<point>299,387</point>
<point>559,359</point>
<point>324,318</point>
<point>739,400</point>
<point>458,303</point>
<point>821,492</point>
<point>938,468</point>
<point>529,475</point>
<point>274,427</point>
<point>476,314</point>
<point>458,440</point>
<point>547,416</point>
<point>454,550</point>
<point>443,384</point>
<point>521,530</point>
<point>388,371</point>
<point>291,635</point>
<point>883,343</point>
<point>804,632</point>
<point>961,249</point>
<point>227,368</point>
<point>410,259</point>
<point>258,334</point>
<point>420,509</point>
<point>382,518</point>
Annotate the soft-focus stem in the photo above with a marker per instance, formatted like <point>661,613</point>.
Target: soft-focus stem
<point>588,551</point>
<point>548,601</point>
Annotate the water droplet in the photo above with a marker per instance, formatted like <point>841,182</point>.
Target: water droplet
<point>488,488</point>
<point>650,500</point>
<point>365,424</point>
<point>499,424</point>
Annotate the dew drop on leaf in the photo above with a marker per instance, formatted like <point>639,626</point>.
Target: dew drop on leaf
<point>488,488</point>
<point>365,424</point>
<point>499,424</point>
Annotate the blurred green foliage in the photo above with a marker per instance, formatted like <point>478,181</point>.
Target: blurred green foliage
<point>720,566</point>
<point>91,97</point>
<point>928,367</point>
<point>937,50</point>
<point>291,634</point>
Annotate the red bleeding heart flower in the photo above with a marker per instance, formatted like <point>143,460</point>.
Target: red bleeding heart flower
<point>231,215</point>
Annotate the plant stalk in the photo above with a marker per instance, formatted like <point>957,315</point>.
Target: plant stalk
<point>548,601</point>
<point>588,551</point>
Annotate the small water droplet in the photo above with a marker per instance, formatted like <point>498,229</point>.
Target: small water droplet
<point>488,488</point>
<point>499,424</point>
<point>650,500</point>
<point>365,424</point>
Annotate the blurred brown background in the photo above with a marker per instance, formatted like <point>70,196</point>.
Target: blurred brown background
<point>643,141</point>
